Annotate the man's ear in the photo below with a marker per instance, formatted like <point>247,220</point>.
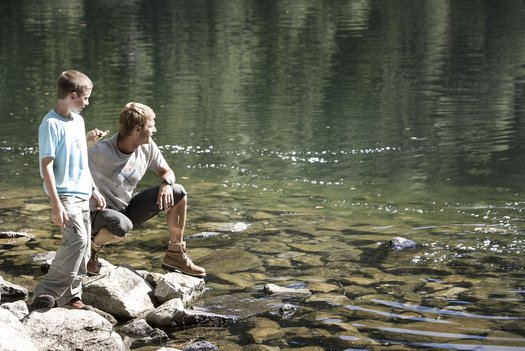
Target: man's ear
<point>73,95</point>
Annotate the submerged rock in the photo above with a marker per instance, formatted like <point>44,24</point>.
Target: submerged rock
<point>10,235</point>
<point>287,311</point>
<point>399,243</point>
<point>272,289</point>
<point>201,346</point>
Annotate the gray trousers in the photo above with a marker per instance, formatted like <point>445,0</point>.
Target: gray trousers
<point>64,278</point>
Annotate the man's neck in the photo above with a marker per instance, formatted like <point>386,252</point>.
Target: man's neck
<point>126,145</point>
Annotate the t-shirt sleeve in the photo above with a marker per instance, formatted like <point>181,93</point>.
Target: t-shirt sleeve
<point>47,139</point>
<point>156,160</point>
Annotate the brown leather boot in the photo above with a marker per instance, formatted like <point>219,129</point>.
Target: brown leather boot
<point>177,259</point>
<point>93,265</point>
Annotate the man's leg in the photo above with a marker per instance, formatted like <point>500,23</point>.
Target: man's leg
<point>108,226</point>
<point>176,218</point>
<point>144,206</point>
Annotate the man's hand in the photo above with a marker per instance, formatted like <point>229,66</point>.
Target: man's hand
<point>95,135</point>
<point>100,201</point>
<point>59,215</point>
<point>165,200</point>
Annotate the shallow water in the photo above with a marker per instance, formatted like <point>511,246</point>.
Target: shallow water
<point>308,135</point>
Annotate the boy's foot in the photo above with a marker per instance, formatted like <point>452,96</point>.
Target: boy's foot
<point>42,301</point>
<point>77,304</point>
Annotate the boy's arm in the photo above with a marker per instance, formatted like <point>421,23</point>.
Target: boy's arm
<point>58,212</point>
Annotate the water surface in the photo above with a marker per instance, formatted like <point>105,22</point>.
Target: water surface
<point>308,134</point>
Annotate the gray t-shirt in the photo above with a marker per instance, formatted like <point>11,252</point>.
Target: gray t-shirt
<point>117,174</point>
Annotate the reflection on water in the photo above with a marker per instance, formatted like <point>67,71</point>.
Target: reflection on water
<point>308,135</point>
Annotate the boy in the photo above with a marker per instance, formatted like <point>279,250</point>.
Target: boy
<point>68,184</point>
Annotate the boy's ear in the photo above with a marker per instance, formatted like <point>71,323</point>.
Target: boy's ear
<point>73,95</point>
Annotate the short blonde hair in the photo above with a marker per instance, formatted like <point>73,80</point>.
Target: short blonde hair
<point>73,82</point>
<point>134,114</point>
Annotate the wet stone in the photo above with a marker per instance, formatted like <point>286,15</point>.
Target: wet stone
<point>278,262</point>
<point>265,330</point>
<point>312,260</point>
<point>271,248</point>
<point>242,280</point>
<point>323,287</point>
<point>449,293</point>
<point>330,299</point>
<point>230,261</point>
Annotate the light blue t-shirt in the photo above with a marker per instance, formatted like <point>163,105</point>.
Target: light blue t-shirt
<point>65,141</point>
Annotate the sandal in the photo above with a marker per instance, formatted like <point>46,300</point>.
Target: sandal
<point>77,304</point>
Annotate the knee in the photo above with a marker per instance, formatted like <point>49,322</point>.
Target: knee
<point>120,227</point>
<point>180,194</point>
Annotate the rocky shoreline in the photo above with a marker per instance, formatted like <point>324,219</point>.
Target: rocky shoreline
<point>129,308</point>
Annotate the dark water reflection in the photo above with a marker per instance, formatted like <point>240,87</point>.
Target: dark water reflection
<point>307,132</point>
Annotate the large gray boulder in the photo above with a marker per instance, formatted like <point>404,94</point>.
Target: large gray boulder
<point>176,285</point>
<point>60,329</point>
<point>120,292</point>
<point>13,334</point>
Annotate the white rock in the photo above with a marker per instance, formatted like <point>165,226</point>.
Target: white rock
<point>18,308</point>
<point>60,329</point>
<point>177,285</point>
<point>13,334</point>
<point>121,292</point>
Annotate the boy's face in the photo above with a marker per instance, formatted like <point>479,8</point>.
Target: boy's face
<point>79,102</point>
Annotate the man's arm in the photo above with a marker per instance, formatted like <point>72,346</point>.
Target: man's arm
<point>58,212</point>
<point>93,136</point>
<point>167,179</point>
<point>97,196</point>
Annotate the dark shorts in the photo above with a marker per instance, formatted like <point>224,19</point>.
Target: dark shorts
<point>142,207</point>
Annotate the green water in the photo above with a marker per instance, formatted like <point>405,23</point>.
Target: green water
<point>307,133</point>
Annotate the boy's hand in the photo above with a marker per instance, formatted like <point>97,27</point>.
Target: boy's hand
<point>59,215</point>
<point>95,135</point>
<point>100,201</point>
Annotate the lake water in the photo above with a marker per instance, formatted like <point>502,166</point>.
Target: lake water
<point>308,134</point>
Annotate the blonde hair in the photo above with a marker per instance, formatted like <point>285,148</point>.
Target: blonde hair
<point>73,82</point>
<point>134,114</point>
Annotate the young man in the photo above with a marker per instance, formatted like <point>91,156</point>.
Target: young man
<point>68,184</point>
<point>117,165</point>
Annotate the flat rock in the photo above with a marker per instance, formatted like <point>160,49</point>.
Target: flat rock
<point>173,314</point>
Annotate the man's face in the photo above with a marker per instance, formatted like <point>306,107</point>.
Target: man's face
<point>80,101</point>
<point>147,131</point>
